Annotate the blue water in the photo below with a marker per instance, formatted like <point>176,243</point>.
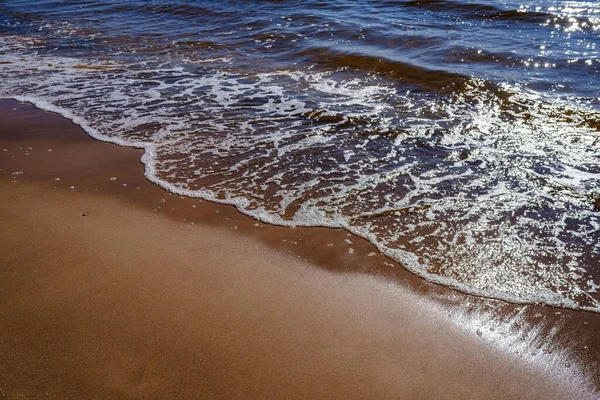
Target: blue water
<point>460,137</point>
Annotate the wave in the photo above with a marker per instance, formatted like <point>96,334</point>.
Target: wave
<point>519,15</point>
<point>447,6</point>
<point>410,73</point>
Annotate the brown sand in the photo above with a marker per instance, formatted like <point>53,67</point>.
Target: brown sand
<point>101,297</point>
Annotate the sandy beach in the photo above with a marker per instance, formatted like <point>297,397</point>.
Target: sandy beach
<point>110,288</point>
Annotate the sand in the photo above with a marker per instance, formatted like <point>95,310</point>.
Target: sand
<point>113,292</point>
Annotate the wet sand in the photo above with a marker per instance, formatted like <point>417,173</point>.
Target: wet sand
<point>112,288</point>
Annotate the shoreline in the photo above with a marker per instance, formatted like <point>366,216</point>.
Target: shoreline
<point>414,268</point>
<point>370,322</point>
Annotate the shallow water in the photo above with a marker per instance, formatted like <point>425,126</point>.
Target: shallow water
<point>460,137</point>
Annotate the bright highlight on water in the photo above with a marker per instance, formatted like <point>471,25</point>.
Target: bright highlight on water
<point>462,138</point>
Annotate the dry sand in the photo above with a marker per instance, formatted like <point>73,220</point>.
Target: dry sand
<point>101,297</point>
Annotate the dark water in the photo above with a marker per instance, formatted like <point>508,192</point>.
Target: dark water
<point>461,137</point>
